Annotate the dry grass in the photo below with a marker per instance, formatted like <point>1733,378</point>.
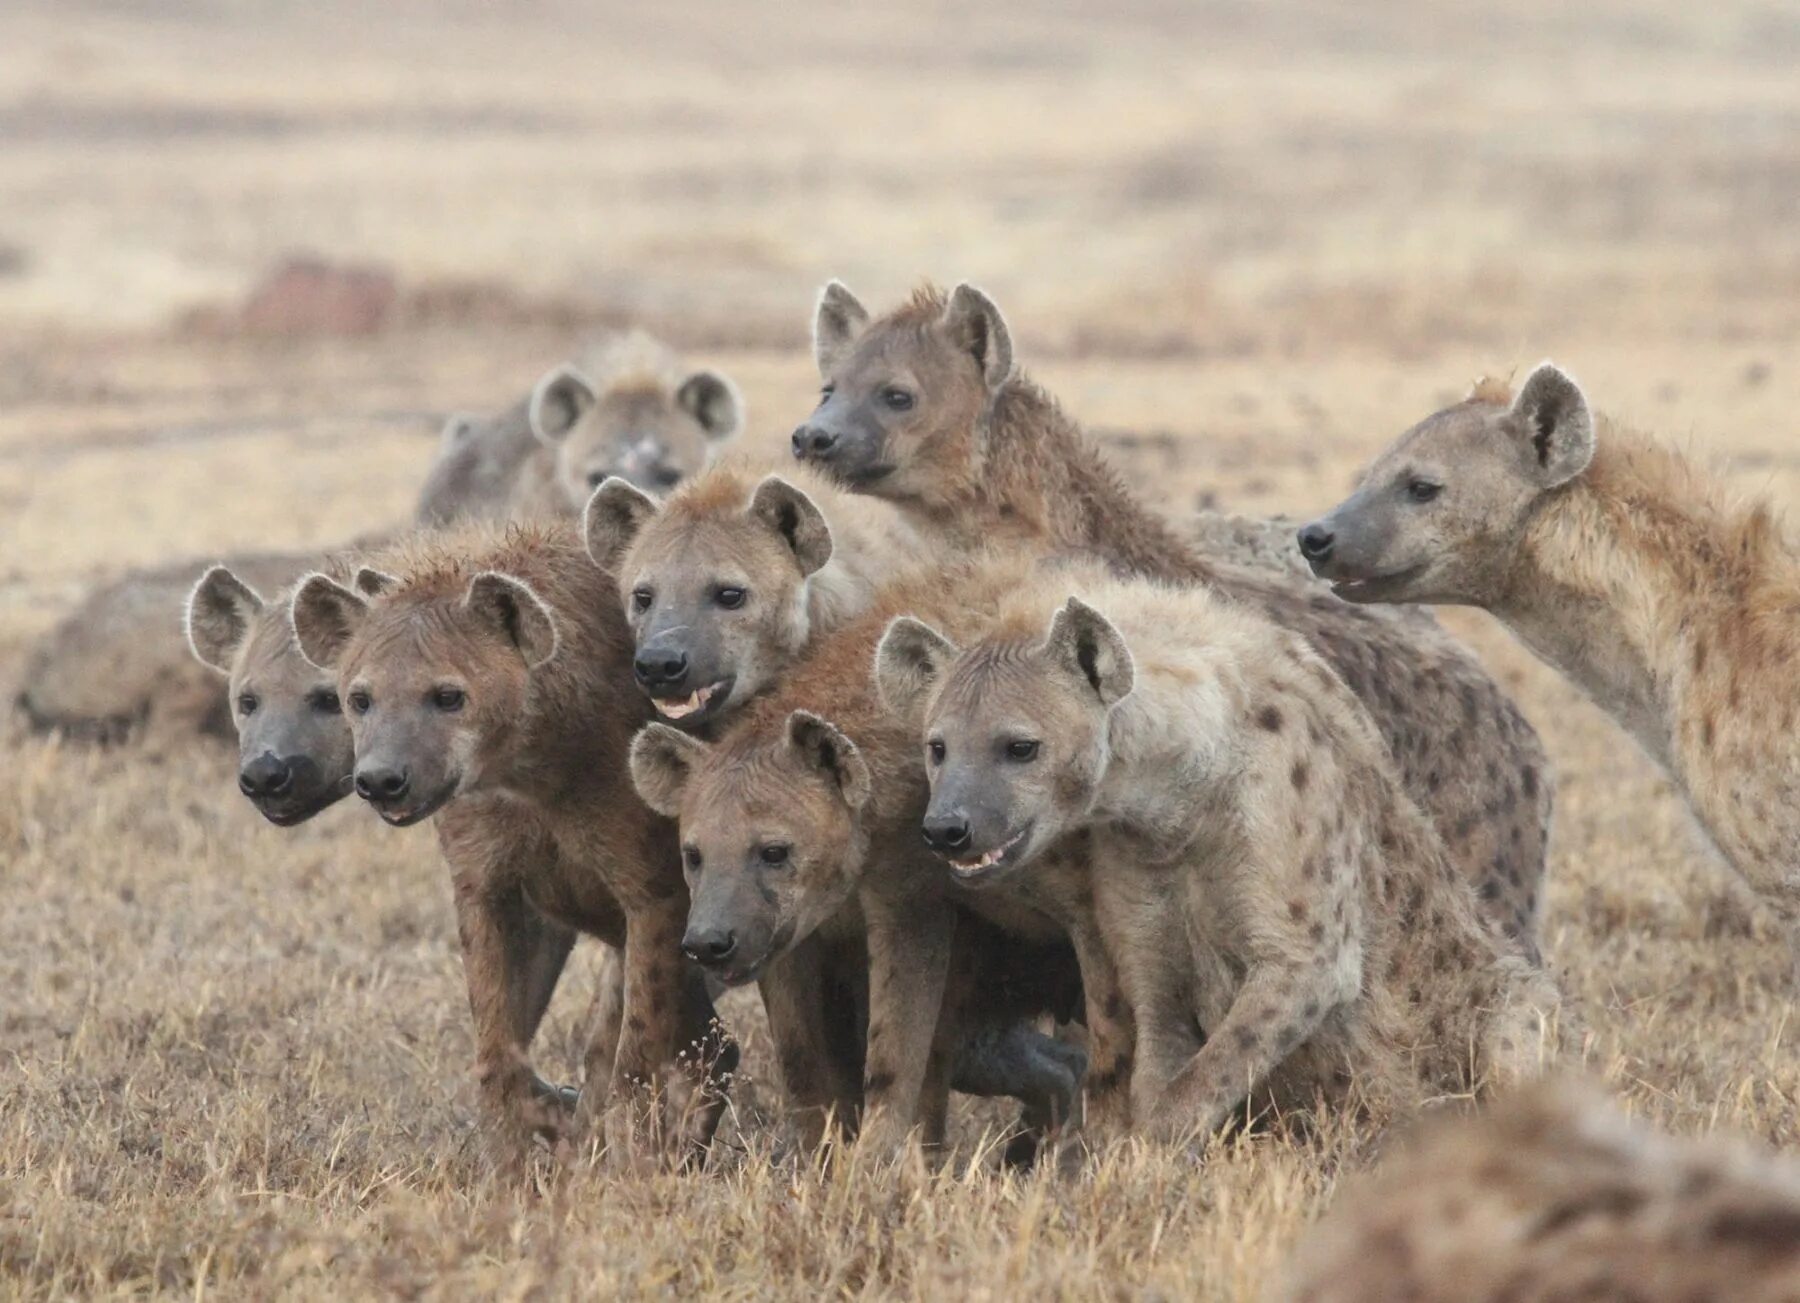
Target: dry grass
<point>234,1059</point>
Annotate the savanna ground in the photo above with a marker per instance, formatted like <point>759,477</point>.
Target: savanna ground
<point>1246,244</point>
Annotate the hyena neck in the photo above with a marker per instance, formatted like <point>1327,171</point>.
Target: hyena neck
<point>1168,743</point>
<point>1038,473</point>
<point>1639,587</point>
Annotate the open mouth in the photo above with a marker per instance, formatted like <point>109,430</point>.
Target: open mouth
<point>406,816</point>
<point>695,703</point>
<point>1374,588</point>
<point>739,974</point>
<point>985,866</point>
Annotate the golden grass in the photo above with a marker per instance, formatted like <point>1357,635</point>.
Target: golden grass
<point>234,1060</point>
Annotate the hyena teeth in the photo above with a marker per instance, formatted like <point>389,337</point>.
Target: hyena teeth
<point>686,706</point>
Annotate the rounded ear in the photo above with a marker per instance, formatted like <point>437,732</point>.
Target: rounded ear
<point>558,401</point>
<point>796,518</point>
<point>218,616</point>
<point>613,517</point>
<point>837,321</point>
<point>1554,413</point>
<point>975,325</point>
<point>911,657</point>
<point>1085,643</point>
<point>371,582</point>
<point>516,613</point>
<point>458,430</point>
<point>326,616</point>
<point>822,747</point>
<point>662,761</point>
<point>714,402</point>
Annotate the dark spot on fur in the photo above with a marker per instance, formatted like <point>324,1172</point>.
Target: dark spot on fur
<point>1528,782</point>
<point>1296,909</point>
<point>1246,1038</point>
<point>635,1022</point>
<point>1299,775</point>
<point>1269,718</point>
<point>878,1082</point>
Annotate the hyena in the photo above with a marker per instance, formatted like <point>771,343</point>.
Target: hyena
<point>628,408</point>
<point>925,407</point>
<point>800,826</point>
<point>1258,870</point>
<point>1553,1194</point>
<point>726,581</point>
<point>296,758</point>
<point>1621,565</point>
<point>487,679</point>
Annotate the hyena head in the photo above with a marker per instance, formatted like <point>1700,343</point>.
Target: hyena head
<point>904,397</point>
<point>771,833</point>
<point>642,430</point>
<point>434,678</point>
<point>477,463</point>
<point>1014,728</point>
<point>1440,515</point>
<point>294,748</point>
<point>714,585</point>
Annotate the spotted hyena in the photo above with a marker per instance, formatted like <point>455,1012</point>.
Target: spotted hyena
<point>1257,869</point>
<point>1623,566</point>
<point>799,828</point>
<point>726,582</point>
<point>486,682</point>
<point>926,408</point>
<point>628,408</point>
<point>1555,1195</point>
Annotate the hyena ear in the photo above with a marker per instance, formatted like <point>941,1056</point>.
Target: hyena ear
<point>613,517</point>
<point>516,613</point>
<point>837,321</point>
<point>326,616</point>
<point>797,518</point>
<point>910,658</point>
<point>371,582</point>
<point>662,761</point>
<point>1085,643</point>
<point>457,431</point>
<point>975,325</point>
<point>824,748</point>
<point>558,401</point>
<point>714,402</point>
<point>1554,413</point>
<point>218,616</point>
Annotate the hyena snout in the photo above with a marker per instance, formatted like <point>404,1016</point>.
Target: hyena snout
<point>379,784</point>
<point>949,832</point>
<point>709,945</point>
<point>1317,542</point>
<point>266,776</point>
<point>814,441</point>
<point>660,669</point>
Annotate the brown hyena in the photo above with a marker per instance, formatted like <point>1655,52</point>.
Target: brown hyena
<point>487,679</point>
<point>725,582</point>
<point>1257,869</point>
<point>925,408</point>
<point>799,829</point>
<point>1622,566</point>
<point>1553,1194</point>
<point>628,408</point>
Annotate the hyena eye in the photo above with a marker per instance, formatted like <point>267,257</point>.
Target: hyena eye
<point>1022,749</point>
<point>1422,490</point>
<point>690,856</point>
<point>596,479</point>
<point>448,698</point>
<point>641,599</point>
<point>774,854</point>
<point>731,598</point>
<point>826,393</point>
<point>247,704</point>
<point>897,400</point>
<point>665,475</point>
<point>359,702</point>
<point>936,748</point>
<point>326,702</point>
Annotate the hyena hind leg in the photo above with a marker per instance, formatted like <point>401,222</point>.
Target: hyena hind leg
<point>1016,1061</point>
